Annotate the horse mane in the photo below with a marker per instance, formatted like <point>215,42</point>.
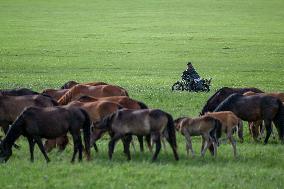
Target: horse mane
<point>66,85</point>
<point>213,96</point>
<point>142,105</point>
<point>227,102</point>
<point>67,97</point>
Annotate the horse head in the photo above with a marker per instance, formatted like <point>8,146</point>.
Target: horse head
<point>5,153</point>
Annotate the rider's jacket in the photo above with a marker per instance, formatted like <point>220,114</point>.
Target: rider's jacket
<point>190,74</point>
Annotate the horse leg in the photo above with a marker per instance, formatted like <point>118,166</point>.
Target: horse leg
<point>80,147</point>
<point>76,146</point>
<point>215,148</point>
<point>40,145</point>
<point>240,131</point>
<point>140,140</point>
<point>95,147</point>
<point>188,143</point>
<point>233,142</point>
<point>268,130</point>
<point>157,140</point>
<point>126,143</point>
<point>32,145</point>
<point>148,141</point>
<point>207,144</point>
<point>164,144</point>
<point>111,145</point>
<point>205,148</point>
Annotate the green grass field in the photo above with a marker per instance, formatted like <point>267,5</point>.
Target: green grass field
<point>143,46</point>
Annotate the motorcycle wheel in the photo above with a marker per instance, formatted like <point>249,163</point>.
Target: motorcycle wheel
<point>178,86</point>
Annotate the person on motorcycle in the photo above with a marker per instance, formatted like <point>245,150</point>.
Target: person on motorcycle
<point>190,75</point>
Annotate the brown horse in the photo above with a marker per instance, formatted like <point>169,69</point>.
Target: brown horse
<point>221,95</point>
<point>56,94</point>
<point>204,126</point>
<point>257,107</point>
<point>94,91</point>
<point>256,128</point>
<point>71,84</point>
<point>230,123</point>
<point>51,122</point>
<point>122,100</point>
<point>125,123</point>
<point>12,106</point>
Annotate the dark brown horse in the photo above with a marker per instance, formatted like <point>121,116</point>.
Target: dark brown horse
<point>221,95</point>
<point>94,91</point>
<point>257,107</point>
<point>36,123</point>
<point>70,84</point>
<point>17,92</point>
<point>12,106</point>
<point>125,123</point>
<point>256,128</point>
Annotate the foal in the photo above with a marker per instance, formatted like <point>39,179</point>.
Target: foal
<point>125,123</point>
<point>36,123</point>
<point>205,126</point>
<point>230,122</point>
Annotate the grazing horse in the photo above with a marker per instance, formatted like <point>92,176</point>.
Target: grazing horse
<point>256,107</point>
<point>230,122</point>
<point>12,106</point>
<point>125,123</point>
<point>256,127</point>
<point>17,92</point>
<point>56,94</point>
<point>221,95</point>
<point>71,84</point>
<point>51,122</point>
<point>98,109</point>
<point>204,126</point>
<point>94,91</point>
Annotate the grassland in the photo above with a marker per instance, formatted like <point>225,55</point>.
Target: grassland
<point>143,46</point>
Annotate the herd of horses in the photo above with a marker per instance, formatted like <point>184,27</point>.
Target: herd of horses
<point>98,108</point>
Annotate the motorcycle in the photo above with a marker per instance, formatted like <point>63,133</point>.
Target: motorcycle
<point>203,85</point>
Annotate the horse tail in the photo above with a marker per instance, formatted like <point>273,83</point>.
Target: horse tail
<point>171,130</point>
<point>279,120</point>
<point>217,130</point>
<point>87,133</point>
<point>142,105</point>
<point>240,130</point>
